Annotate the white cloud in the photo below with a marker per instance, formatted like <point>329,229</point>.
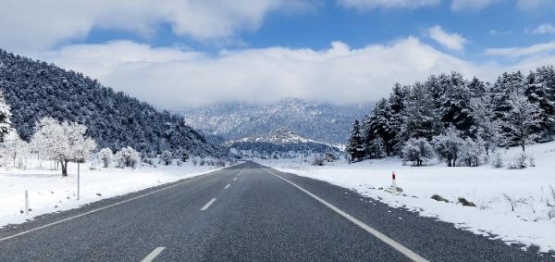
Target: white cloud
<point>530,5</point>
<point>174,78</point>
<point>517,52</point>
<point>544,29</point>
<point>386,4</point>
<point>464,5</point>
<point>41,24</point>
<point>171,77</point>
<point>450,41</point>
<point>497,32</point>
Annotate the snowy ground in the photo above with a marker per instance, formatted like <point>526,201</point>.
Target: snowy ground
<point>528,224</point>
<point>49,192</point>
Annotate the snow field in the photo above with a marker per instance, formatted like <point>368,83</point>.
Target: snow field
<point>49,192</point>
<point>529,191</point>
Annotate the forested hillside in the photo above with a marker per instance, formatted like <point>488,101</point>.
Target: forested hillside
<point>279,142</point>
<point>459,120</point>
<point>35,89</point>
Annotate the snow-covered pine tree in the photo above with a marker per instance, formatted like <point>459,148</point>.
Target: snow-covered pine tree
<point>505,86</point>
<point>5,115</point>
<point>378,126</point>
<point>521,123</point>
<point>376,148</point>
<point>485,127</point>
<point>420,118</point>
<point>540,89</point>
<point>477,87</point>
<point>355,147</point>
<point>397,101</point>
<point>455,104</point>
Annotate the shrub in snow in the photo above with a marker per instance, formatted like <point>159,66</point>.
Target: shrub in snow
<point>331,157</point>
<point>448,146</point>
<point>318,160</point>
<point>532,161</point>
<point>551,213</point>
<point>202,162</point>
<point>166,158</point>
<point>520,162</point>
<point>219,163</point>
<point>106,155</point>
<point>498,161</point>
<point>127,157</point>
<point>195,161</point>
<point>417,150</point>
<point>184,157</point>
<point>471,152</point>
<point>14,151</point>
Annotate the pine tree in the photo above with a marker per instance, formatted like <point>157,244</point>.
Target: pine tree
<point>397,105</point>
<point>455,104</point>
<point>378,126</point>
<point>5,122</point>
<point>521,123</point>
<point>485,127</point>
<point>355,147</point>
<point>540,89</point>
<point>420,119</point>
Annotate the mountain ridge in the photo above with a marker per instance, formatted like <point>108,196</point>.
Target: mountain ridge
<point>319,121</point>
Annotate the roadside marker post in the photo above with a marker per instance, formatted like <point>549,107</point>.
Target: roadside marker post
<point>26,202</point>
<point>78,181</point>
<point>394,183</point>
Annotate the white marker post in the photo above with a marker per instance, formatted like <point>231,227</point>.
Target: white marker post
<point>26,202</point>
<point>78,181</point>
<point>394,184</point>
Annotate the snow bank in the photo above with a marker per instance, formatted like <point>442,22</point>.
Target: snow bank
<point>49,192</point>
<point>487,187</point>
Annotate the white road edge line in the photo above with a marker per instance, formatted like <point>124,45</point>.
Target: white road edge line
<point>153,254</point>
<point>227,186</point>
<point>208,204</point>
<point>402,249</point>
<point>100,209</point>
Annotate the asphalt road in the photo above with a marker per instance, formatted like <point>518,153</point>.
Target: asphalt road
<point>247,213</point>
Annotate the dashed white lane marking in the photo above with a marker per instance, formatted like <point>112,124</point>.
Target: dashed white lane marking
<point>392,243</point>
<point>153,254</point>
<point>208,204</point>
<point>227,186</point>
<point>100,209</point>
<point>234,179</point>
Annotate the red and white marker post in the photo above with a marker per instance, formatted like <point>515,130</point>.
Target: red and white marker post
<point>394,186</point>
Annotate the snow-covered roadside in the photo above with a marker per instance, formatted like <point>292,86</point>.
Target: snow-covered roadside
<point>528,224</point>
<point>49,192</point>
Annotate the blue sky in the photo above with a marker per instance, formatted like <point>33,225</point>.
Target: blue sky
<point>262,50</point>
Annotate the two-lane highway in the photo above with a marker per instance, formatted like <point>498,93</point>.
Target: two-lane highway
<point>247,213</point>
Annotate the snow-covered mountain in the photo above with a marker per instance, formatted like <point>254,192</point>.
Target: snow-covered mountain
<point>281,136</point>
<point>317,121</point>
<point>281,141</point>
